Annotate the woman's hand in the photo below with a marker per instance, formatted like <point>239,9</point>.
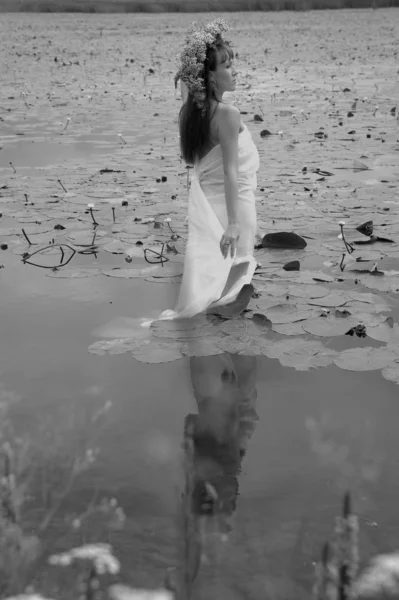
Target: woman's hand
<point>229,240</point>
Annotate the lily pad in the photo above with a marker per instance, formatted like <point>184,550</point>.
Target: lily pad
<point>366,359</point>
<point>204,347</point>
<point>117,346</point>
<point>71,273</point>
<point>391,373</point>
<point>128,273</point>
<point>289,328</point>
<point>239,344</point>
<point>288,313</point>
<point>158,352</point>
<point>388,332</point>
<point>335,298</point>
<point>366,297</point>
<point>328,326</point>
<point>300,354</point>
<point>308,291</point>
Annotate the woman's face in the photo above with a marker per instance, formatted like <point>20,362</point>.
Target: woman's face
<point>224,75</point>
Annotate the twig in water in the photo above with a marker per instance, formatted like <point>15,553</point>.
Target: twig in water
<point>60,182</point>
<point>26,257</point>
<point>26,237</point>
<point>13,167</point>
<point>349,247</point>
<point>90,207</point>
<point>113,213</point>
<point>159,255</point>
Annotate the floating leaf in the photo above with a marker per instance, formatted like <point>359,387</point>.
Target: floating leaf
<point>299,353</point>
<point>128,273</point>
<point>308,291</point>
<point>366,359</point>
<point>380,283</point>
<point>242,344</point>
<point>85,238</point>
<point>391,373</point>
<point>366,297</point>
<point>359,166</point>
<point>158,352</point>
<point>204,347</point>
<point>289,328</point>
<point>366,228</point>
<point>174,269</point>
<point>334,298</point>
<point>388,332</point>
<point>288,313</point>
<point>119,247</point>
<point>71,273</point>
<point>117,346</point>
<point>244,327</point>
<point>328,326</point>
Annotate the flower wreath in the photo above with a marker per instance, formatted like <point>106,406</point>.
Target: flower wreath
<point>193,56</point>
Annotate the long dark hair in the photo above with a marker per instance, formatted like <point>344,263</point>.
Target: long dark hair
<point>194,128</point>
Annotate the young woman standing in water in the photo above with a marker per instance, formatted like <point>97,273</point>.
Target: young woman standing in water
<point>219,257</point>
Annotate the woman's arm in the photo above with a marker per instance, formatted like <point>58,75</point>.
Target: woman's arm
<point>229,126</point>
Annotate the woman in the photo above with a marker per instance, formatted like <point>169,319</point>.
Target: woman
<point>221,207</point>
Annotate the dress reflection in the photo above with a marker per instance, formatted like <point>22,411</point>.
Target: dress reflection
<point>225,390</point>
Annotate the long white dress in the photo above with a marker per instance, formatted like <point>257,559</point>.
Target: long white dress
<point>206,272</point>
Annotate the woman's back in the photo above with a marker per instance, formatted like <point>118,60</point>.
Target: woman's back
<point>214,140</point>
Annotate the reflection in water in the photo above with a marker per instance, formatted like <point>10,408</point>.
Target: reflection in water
<point>224,388</point>
<point>215,443</point>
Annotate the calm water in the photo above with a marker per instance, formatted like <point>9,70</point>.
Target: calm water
<point>279,446</point>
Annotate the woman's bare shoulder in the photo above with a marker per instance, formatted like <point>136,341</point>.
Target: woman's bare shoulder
<point>227,117</point>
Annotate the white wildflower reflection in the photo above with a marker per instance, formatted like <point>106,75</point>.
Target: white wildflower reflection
<point>99,554</point>
<point>123,592</point>
<point>380,579</point>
